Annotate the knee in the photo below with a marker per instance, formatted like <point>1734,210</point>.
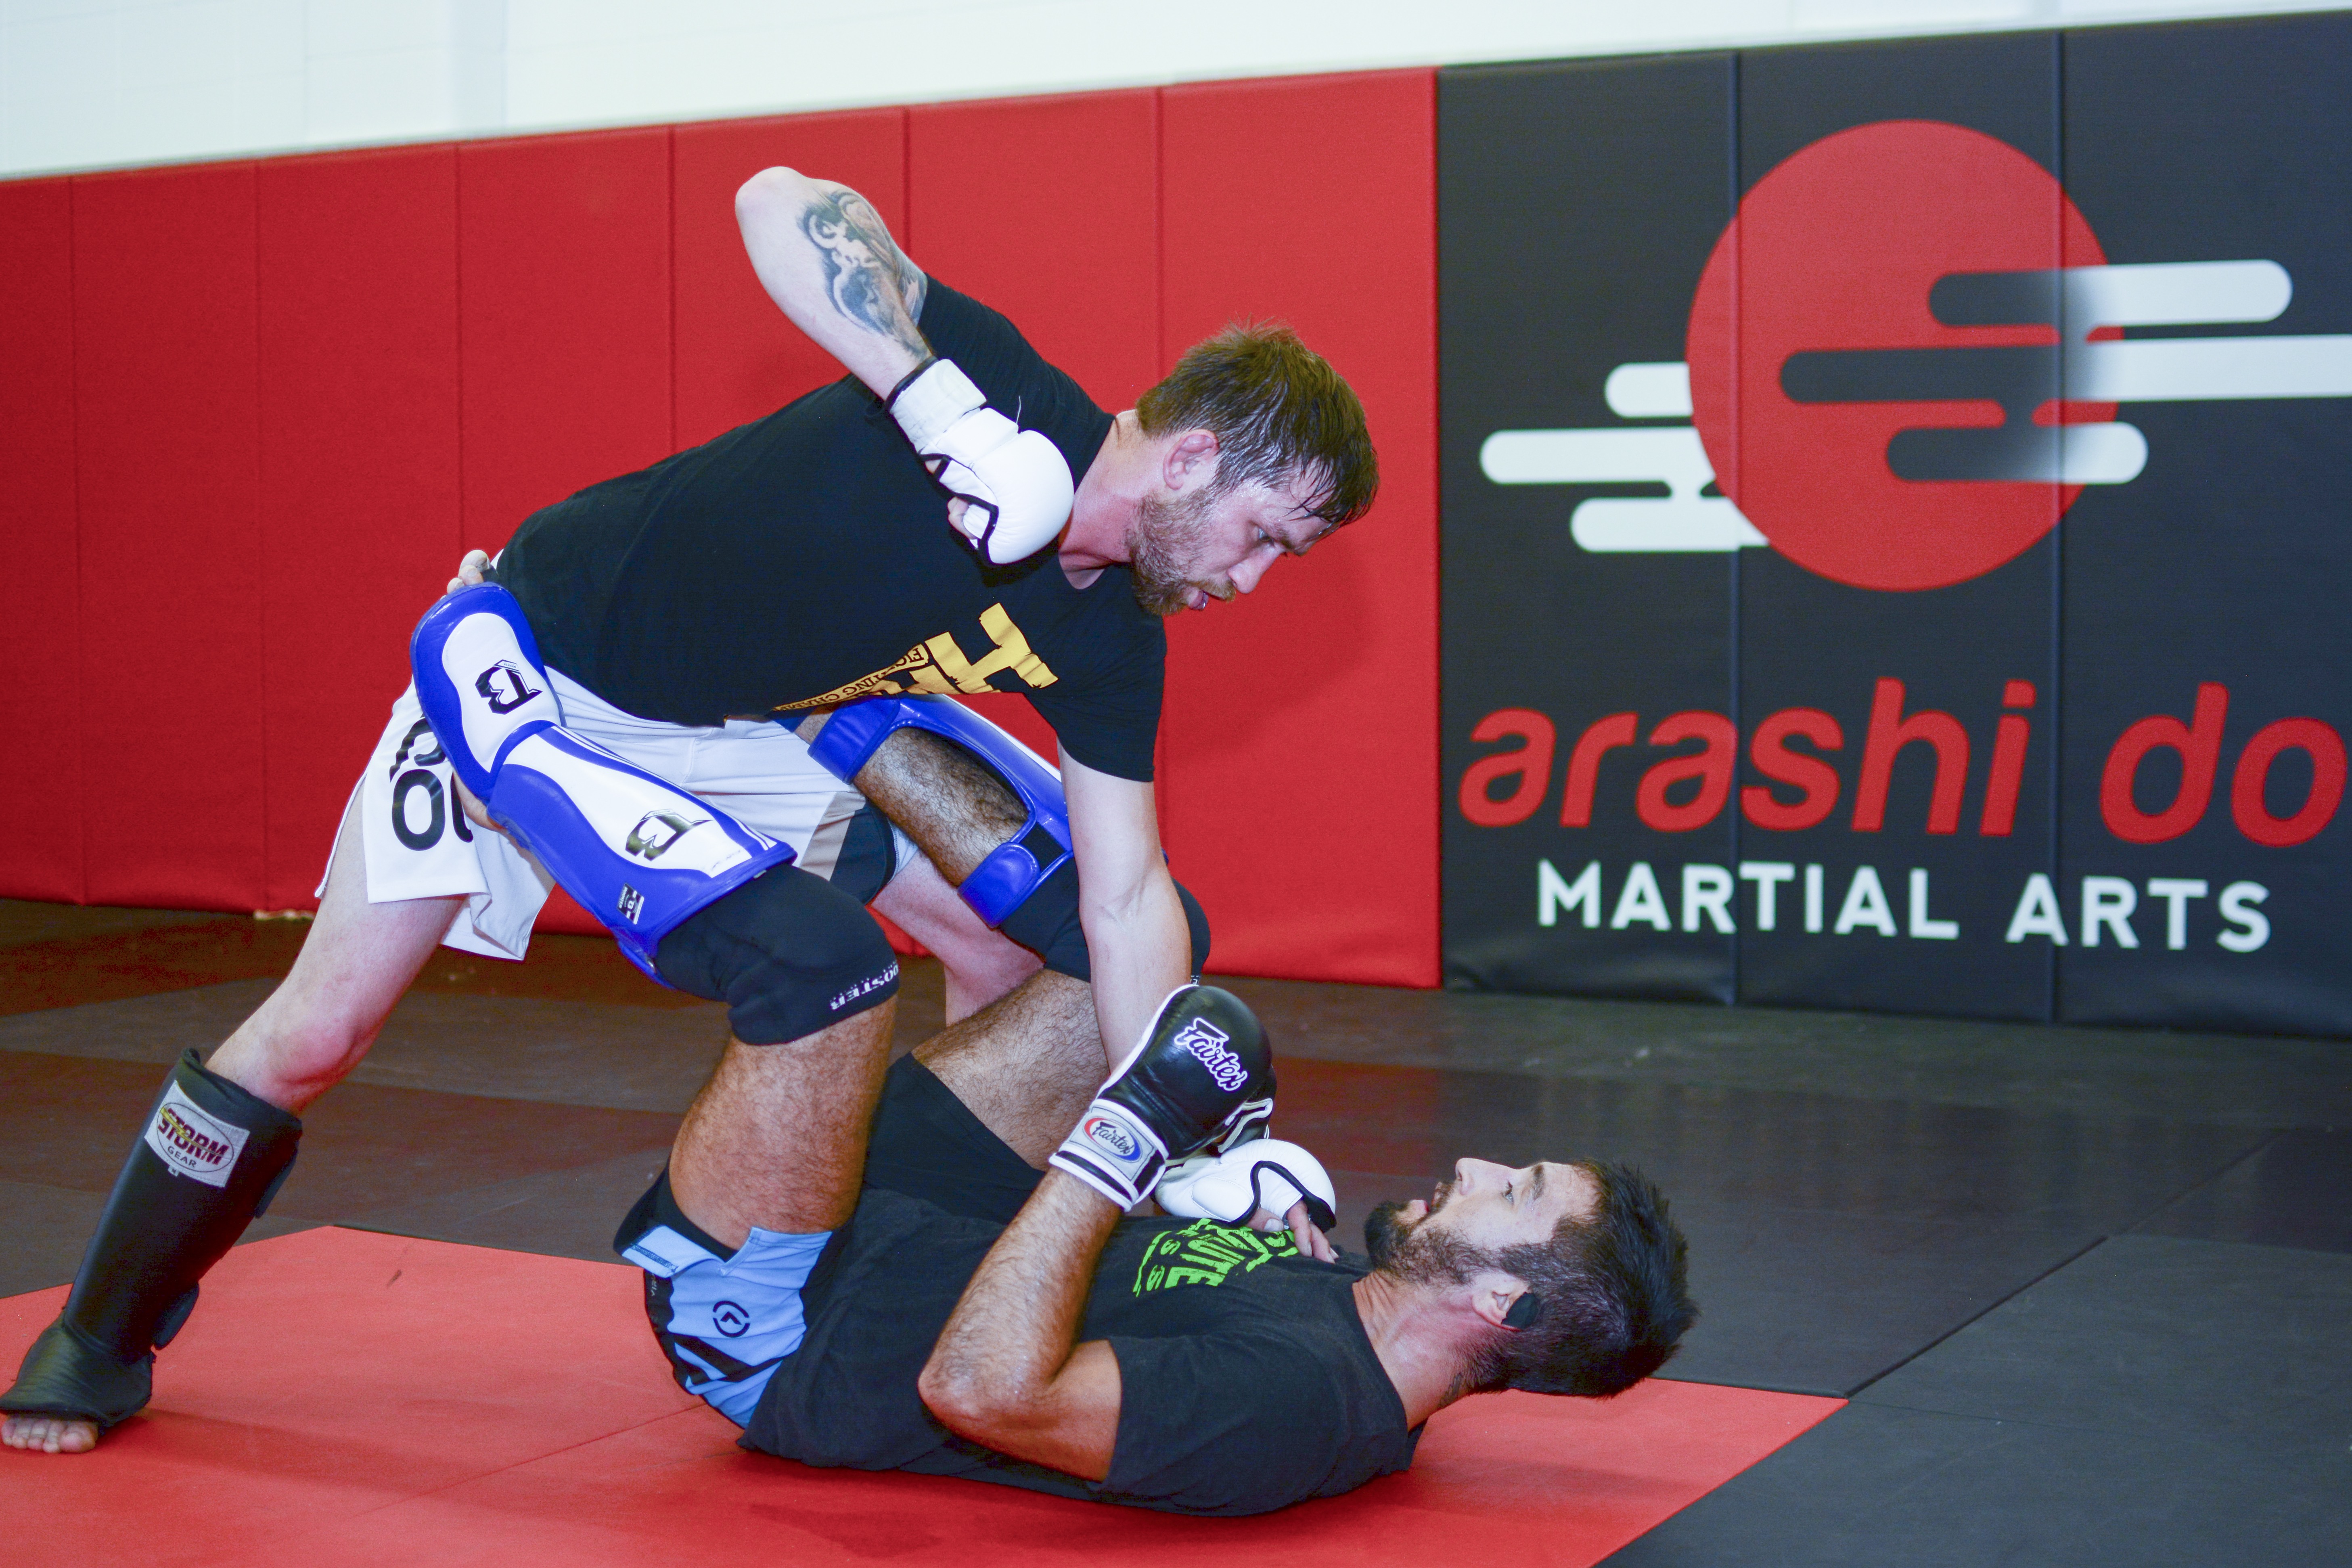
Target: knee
<point>290,1053</point>
<point>789,954</point>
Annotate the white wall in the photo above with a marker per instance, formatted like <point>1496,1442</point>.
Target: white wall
<point>100,83</point>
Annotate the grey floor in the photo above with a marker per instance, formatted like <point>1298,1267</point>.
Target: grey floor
<point>2087,1289</point>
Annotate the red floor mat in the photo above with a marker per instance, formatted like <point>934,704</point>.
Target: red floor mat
<point>345,1397</point>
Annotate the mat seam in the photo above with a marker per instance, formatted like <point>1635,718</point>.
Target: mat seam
<point>2073,1257</point>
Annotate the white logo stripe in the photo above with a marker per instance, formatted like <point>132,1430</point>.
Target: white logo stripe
<point>2174,294</point>
<point>1649,392</point>
<point>1670,455</point>
<point>2199,369</point>
<point>2160,370</point>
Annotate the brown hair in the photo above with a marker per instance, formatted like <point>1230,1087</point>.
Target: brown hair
<point>1278,411</point>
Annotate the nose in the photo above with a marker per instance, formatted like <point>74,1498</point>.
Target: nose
<point>1246,576</point>
<point>1474,1175</point>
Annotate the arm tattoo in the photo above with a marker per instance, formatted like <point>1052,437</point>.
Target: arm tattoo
<point>865,274</point>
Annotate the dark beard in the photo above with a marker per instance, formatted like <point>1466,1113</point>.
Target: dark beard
<point>1385,1234</point>
<point>1166,534</point>
<point>1420,1256</point>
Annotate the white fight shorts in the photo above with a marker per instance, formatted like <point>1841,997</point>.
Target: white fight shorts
<point>419,844</point>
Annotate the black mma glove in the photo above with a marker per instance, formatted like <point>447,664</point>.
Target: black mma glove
<point>1202,1067</point>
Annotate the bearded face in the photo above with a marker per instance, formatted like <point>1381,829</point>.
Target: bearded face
<point>1165,548</point>
<point>1419,1253</point>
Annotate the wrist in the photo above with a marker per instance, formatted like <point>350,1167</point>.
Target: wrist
<point>1114,1152</point>
<point>930,398</point>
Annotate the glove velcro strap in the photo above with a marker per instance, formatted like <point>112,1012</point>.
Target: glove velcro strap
<point>908,380</point>
<point>1114,1152</point>
<point>934,398</point>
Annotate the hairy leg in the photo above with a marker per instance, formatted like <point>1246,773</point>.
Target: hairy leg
<point>1027,1063</point>
<point>776,1139</point>
<point>957,811</point>
<point>942,797</point>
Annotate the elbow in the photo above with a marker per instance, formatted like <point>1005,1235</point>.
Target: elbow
<point>956,1397</point>
<point>964,1401</point>
<point>768,191</point>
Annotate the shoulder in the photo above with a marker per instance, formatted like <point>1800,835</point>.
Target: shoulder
<point>1252,1416</point>
<point>1018,380</point>
<point>982,340</point>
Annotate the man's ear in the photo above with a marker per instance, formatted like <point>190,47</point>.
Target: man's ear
<point>1503,1300</point>
<point>1191,458</point>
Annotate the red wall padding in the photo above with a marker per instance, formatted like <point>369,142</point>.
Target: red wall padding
<point>1047,209</point>
<point>564,247</point>
<point>1069,247</point>
<point>167,463</point>
<point>1301,731</point>
<point>359,467</point>
<point>302,392</point>
<point>41,646</point>
<point>738,357</point>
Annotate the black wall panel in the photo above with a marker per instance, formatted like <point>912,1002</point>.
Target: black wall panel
<point>1888,352</point>
<point>1576,204</point>
<point>2229,561</point>
<point>1808,641</point>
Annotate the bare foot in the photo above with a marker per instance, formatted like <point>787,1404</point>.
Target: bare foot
<point>49,1435</point>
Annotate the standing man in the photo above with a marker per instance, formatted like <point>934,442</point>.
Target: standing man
<point>791,565</point>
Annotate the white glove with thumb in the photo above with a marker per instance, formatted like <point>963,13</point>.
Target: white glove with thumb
<point>1251,1184</point>
<point>1015,485</point>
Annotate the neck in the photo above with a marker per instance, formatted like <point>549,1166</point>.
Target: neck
<point>1412,1335</point>
<point>1118,477</point>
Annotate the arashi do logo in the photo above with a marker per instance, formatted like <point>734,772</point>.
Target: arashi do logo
<point>1905,358</point>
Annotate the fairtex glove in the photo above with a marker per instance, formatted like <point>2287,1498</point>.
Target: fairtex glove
<point>1201,1065</point>
<point>1268,1177</point>
<point>1014,483</point>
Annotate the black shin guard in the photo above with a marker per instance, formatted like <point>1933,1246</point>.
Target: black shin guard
<point>210,1159</point>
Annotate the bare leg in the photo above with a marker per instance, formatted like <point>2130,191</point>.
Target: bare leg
<point>957,811</point>
<point>982,964</point>
<point>314,1028</point>
<point>355,963</point>
<point>776,1139</point>
<point>1027,1063</point>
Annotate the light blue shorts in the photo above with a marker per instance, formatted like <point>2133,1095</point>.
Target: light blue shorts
<point>725,1323</point>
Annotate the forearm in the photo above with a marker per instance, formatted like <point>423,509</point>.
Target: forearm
<point>1007,1370</point>
<point>1141,948</point>
<point>826,258</point>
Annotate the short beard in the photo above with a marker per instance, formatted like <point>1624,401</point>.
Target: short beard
<point>1416,1255</point>
<point>1166,536</point>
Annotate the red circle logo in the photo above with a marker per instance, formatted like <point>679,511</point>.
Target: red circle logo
<point>1846,455</point>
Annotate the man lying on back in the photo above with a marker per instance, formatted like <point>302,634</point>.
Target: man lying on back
<point>979,1317</point>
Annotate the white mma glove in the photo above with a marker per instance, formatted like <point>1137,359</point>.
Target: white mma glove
<point>1267,1177</point>
<point>1014,486</point>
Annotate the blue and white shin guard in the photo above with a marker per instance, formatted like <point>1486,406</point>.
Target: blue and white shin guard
<point>639,853</point>
<point>1013,871</point>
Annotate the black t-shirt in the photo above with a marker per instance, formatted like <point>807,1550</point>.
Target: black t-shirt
<point>806,559</point>
<point>1247,1382</point>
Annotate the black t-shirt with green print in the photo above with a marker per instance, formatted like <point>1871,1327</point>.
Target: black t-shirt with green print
<point>1246,1380</point>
